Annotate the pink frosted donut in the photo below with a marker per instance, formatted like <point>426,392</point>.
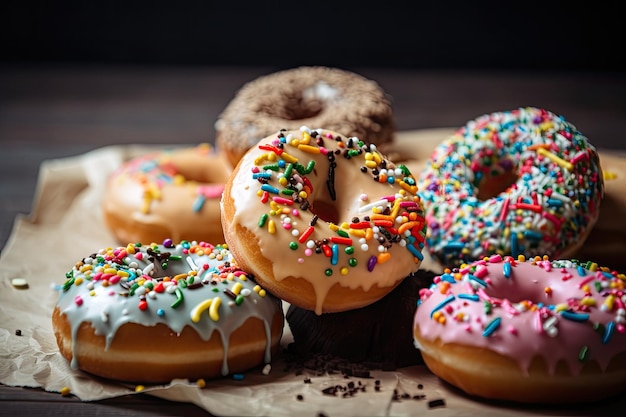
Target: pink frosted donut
<point>539,330</point>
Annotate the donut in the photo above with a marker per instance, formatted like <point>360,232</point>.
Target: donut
<point>529,331</point>
<point>152,313</point>
<point>606,243</point>
<point>337,99</point>
<point>325,221</point>
<point>379,335</point>
<point>172,193</point>
<point>523,181</point>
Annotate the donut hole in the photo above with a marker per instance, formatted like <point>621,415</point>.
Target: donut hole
<point>211,172</point>
<point>299,107</point>
<point>325,211</point>
<point>492,185</point>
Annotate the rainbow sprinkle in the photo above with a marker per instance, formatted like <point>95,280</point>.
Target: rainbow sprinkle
<point>546,179</point>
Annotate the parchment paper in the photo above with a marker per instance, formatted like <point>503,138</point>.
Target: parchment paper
<point>65,225</point>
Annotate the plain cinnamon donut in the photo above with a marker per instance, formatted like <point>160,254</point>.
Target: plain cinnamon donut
<point>334,98</point>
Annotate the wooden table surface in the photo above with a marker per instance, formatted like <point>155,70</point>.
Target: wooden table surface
<point>51,112</point>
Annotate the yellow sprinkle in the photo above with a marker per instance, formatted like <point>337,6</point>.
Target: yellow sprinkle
<point>560,307</point>
<point>236,288</point>
<point>179,179</point>
<point>283,181</point>
<point>593,267</point>
<point>197,310</point>
<point>309,149</point>
<point>86,267</point>
<point>395,209</point>
<point>289,158</point>
<point>110,271</point>
<point>260,159</point>
<point>78,281</point>
<point>65,391</point>
<point>609,175</point>
<point>408,187</point>
<point>588,301</point>
<point>215,305</point>
<point>357,232</point>
<point>271,227</point>
<point>344,271</point>
<point>201,383</point>
<point>610,301</point>
<point>262,292</point>
<point>333,227</point>
<point>257,288</point>
<point>556,159</point>
<point>139,388</point>
<point>371,164</point>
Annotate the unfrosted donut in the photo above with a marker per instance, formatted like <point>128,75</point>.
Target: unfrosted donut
<point>541,330</point>
<point>325,221</point>
<point>157,312</point>
<point>173,193</point>
<point>337,99</point>
<point>524,181</point>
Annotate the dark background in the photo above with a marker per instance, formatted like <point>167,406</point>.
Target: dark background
<point>546,35</point>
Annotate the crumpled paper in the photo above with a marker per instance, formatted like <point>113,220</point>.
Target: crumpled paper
<point>65,225</point>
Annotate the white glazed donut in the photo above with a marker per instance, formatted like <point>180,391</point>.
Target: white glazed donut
<point>153,313</point>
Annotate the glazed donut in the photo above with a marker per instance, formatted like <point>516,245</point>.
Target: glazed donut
<point>153,313</point>
<point>379,334</point>
<point>173,193</point>
<point>532,331</point>
<point>325,221</point>
<point>337,99</point>
<point>517,182</point>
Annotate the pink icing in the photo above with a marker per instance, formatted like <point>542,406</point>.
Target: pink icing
<point>560,310</point>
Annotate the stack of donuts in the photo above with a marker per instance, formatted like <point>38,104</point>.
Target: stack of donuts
<point>306,211</point>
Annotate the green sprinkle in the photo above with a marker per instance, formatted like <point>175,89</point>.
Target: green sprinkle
<point>68,284</point>
<point>263,219</point>
<point>293,245</point>
<point>328,272</point>
<point>239,299</point>
<point>583,354</point>
<point>179,298</point>
<point>288,170</point>
<point>353,262</point>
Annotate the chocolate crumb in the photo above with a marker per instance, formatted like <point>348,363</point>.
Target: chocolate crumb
<point>18,332</point>
<point>299,397</point>
<point>436,403</point>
